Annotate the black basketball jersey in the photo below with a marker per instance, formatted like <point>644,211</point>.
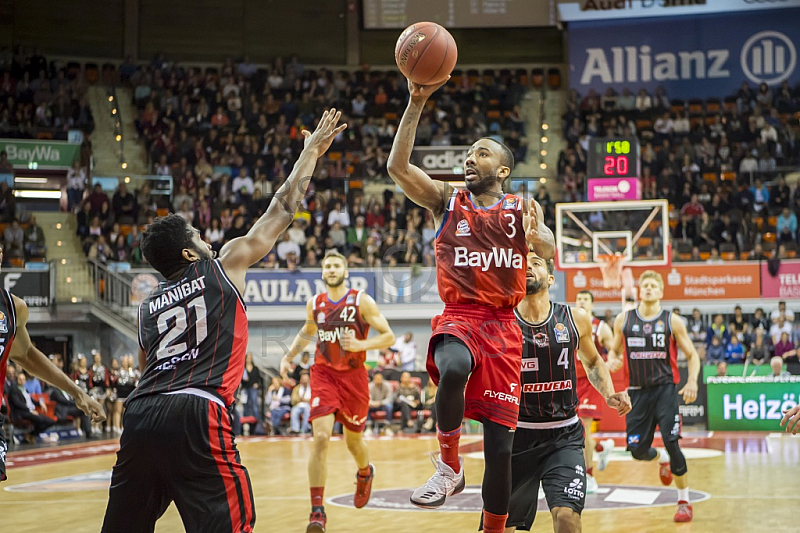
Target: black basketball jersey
<point>194,332</point>
<point>548,367</point>
<point>651,355</point>
<point>8,330</point>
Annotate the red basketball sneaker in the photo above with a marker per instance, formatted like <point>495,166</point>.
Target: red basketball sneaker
<point>684,512</point>
<point>317,522</point>
<point>363,488</point>
<point>665,473</point>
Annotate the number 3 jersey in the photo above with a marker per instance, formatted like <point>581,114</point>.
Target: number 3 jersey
<point>194,332</point>
<point>549,352</point>
<point>334,321</point>
<point>651,354</point>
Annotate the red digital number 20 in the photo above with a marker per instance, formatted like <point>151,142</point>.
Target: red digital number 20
<point>615,166</point>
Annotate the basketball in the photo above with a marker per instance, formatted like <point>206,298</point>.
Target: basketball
<point>426,53</point>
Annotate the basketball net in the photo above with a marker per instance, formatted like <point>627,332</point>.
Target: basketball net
<point>611,266</point>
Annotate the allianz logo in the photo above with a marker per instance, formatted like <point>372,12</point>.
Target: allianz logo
<point>767,56</point>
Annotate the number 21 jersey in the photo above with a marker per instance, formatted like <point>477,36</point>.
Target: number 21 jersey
<point>194,332</point>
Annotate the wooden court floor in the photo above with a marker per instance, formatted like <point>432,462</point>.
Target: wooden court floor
<point>752,482</point>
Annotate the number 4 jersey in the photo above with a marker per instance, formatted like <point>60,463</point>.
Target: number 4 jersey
<point>194,332</point>
<point>549,352</point>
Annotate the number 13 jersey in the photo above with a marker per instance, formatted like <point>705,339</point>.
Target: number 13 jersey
<point>194,332</point>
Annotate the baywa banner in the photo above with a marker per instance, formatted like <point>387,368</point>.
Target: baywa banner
<point>33,286</point>
<point>697,56</point>
<point>40,154</point>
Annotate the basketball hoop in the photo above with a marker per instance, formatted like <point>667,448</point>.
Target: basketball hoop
<point>611,266</point>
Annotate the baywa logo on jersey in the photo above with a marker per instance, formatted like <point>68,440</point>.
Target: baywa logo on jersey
<point>562,333</point>
<point>541,340</point>
<point>3,323</point>
<point>462,230</point>
<point>574,491</point>
<point>660,326</point>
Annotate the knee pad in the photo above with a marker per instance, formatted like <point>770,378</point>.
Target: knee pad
<point>642,454</point>
<point>677,462</point>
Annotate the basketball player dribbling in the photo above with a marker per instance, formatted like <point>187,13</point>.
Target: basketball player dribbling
<point>481,245</point>
<point>178,444</point>
<point>339,319</point>
<point>648,335</point>
<point>549,438</point>
<point>589,407</point>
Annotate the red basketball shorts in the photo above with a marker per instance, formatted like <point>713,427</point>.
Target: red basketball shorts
<point>590,402</point>
<point>495,341</point>
<point>344,393</point>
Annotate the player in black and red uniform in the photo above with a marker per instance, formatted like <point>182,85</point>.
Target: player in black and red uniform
<point>15,344</point>
<point>481,246</point>
<point>649,335</point>
<point>548,443</point>
<point>178,444</point>
<point>589,407</point>
<point>339,319</point>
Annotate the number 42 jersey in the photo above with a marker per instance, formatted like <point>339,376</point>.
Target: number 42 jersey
<point>194,332</point>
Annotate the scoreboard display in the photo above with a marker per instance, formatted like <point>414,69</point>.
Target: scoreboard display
<point>613,157</point>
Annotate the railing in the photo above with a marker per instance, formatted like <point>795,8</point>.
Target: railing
<point>74,281</point>
<point>112,291</point>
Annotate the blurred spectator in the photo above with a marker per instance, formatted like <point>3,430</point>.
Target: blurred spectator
<point>406,350</point>
<point>715,351</point>
<point>301,405</point>
<point>76,184</point>
<point>124,205</point>
<point>718,329</point>
<point>722,369</point>
<point>406,399</point>
<point>34,239</point>
<point>251,387</point>
<point>5,166</point>
<point>696,327</point>
<point>776,364</point>
<point>780,327</point>
<point>14,240</point>
<point>760,350</point>
<point>428,399</point>
<point>303,366</point>
<point>734,351</point>
<point>787,226</point>
<point>380,401</point>
<point>785,348</point>
<point>278,402</point>
<point>21,407</point>
<point>782,311</point>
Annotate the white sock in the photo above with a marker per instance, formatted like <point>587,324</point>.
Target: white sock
<point>683,495</point>
<point>663,457</point>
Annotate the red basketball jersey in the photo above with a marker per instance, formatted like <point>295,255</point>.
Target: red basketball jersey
<point>596,325</point>
<point>334,321</point>
<point>481,253</point>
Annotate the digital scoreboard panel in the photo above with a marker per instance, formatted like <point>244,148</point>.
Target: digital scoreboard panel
<point>613,157</point>
<point>399,14</point>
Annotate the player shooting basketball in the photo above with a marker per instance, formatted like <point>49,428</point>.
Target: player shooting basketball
<point>481,246</point>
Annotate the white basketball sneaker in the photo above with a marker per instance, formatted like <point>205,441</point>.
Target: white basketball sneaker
<point>602,457</point>
<point>591,484</point>
<point>445,482</point>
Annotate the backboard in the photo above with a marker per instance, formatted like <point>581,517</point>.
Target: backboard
<point>637,229</point>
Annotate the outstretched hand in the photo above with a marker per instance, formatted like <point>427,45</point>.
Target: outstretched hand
<point>531,222</point>
<point>90,408</point>
<point>423,92</point>
<point>689,391</point>
<point>791,420</point>
<point>327,130</point>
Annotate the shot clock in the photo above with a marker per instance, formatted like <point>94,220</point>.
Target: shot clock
<point>613,169</point>
<point>613,157</point>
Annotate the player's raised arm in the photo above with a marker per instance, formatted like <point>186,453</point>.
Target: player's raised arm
<point>596,369</point>
<point>372,316</point>
<point>306,334</point>
<point>416,184</point>
<point>681,336</point>
<point>538,235</point>
<point>36,363</point>
<point>241,253</point>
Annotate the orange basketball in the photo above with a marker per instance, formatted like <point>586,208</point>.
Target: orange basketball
<point>426,53</point>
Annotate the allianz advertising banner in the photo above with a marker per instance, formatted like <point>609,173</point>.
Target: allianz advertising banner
<point>753,404</point>
<point>697,56</point>
<point>40,154</point>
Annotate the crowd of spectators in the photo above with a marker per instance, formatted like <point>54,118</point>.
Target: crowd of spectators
<point>40,99</point>
<point>718,162</point>
<point>229,137</point>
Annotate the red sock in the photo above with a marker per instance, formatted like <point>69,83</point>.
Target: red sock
<point>448,446</point>
<point>494,523</point>
<point>590,470</point>
<point>316,496</point>
<point>364,472</point>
